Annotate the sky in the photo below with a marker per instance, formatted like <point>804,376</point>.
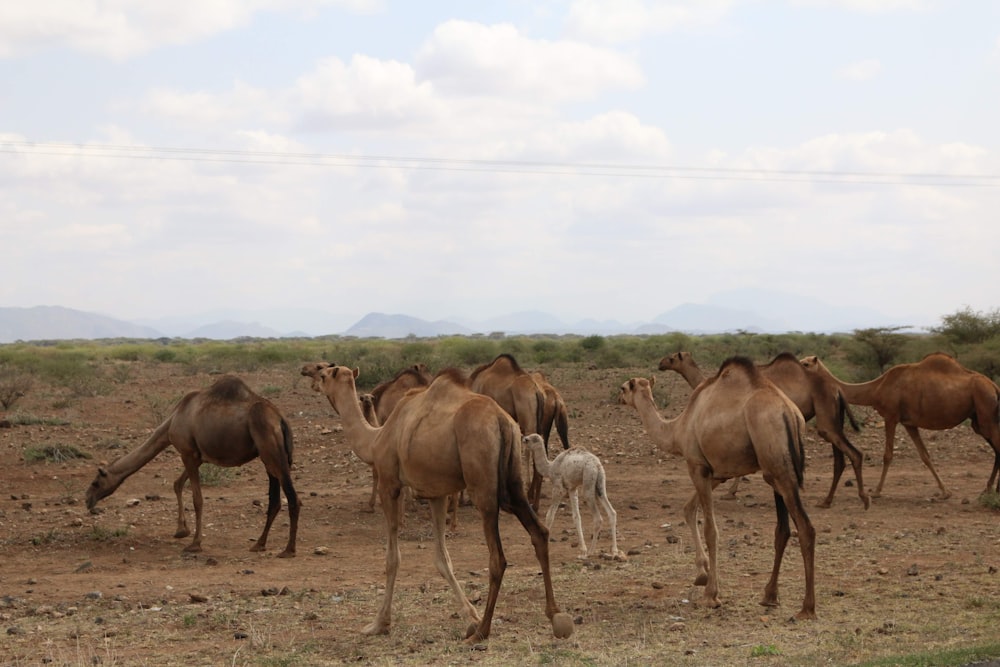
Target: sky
<point>585,158</point>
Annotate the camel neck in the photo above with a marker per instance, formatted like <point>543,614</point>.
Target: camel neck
<point>859,393</point>
<point>693,375</point>
<point>660,430</point>
<point>360,434</point>
<point>144,453</point>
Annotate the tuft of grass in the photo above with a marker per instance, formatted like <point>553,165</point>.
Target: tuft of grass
<point>761,650</point>
<point>990,500</point>
<point>947,658</point>
<point>54,454</point>
<point>100,534</point>
<point>213,475</point>
<point>24,419</point>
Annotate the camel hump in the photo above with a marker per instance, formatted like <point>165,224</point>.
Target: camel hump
<point>784,357</point>
<point>738,364</point>
<point>229,388</point>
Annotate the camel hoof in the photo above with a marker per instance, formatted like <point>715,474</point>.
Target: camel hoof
<point>867,501</point>
<point>192,548</point>
<point>286,554</point>
<point>472,633</point>
<point>806,615</point>
<point>182,533</point>
<point>257,548</point>
<point>701,580</point>
<point>620,557</point>
<point>375,628</point>
<point>562,625</point>
<point>824,504</point>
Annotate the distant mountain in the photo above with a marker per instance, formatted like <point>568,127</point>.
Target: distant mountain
<point>380,325</point>
<point>230,329</point>
<point>753,310</point>
<point>58,323</point>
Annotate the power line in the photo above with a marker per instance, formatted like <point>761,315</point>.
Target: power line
<point>527,167</point>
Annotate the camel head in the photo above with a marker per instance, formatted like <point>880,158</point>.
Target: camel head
<point>533,441</point>
<point>329,380</point>
<point>626,395</point>
<point>312,371</point>
<point>103,486</point>
<point>811,363</point>
<point>675,361</point>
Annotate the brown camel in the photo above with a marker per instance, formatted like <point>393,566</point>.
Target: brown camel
<point>438,442</point>
<point>388,393</point>
<point>734,424</point>
<point>936,393</point>
<point>516,391</point>
<point>812,394</point>
<point>554,412</point>
<point>228,425</point>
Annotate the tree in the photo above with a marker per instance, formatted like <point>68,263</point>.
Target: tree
<point>969,327</point>
<point>884,343</point>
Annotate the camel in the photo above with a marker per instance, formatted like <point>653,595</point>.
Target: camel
<point>573,470</point>
<point>516,391</point>
<point>936,393</point>
<point>813,395</point>
<point>554,412</point>
<point>734,424</point>
<point>438,442</point>
<point>387,394</point>
<point>228,425</point>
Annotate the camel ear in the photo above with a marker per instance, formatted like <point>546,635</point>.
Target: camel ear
<point>652,381</point>
<point>101,472</point>
<point>356,372</point>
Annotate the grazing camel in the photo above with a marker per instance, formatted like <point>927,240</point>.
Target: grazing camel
<point>572,470</point>
<point>813,395</point>
<point>516,391</point>
<point>936,393</point>
<point>228,425</point>
<point>734,424</point>
<point>438,442</point>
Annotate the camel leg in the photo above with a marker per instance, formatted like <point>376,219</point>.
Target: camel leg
<point>442,561</point>
<point>195,545</point>
<point>540,540</point>
<point>273,506</point>
<point>612,525</point>
<point>733,488</point>
<point>890,443</point>
<point>926,458</point>
<point>700,558</point>
<point>498,565</point>
<point>597,522</point>
<point>383,618</point>
<point>703,484</point>
<point>294,505</point>
<point>558,492</point>
<point>995,475</point>
<point>842,447</point>
<point>574,503</point>
<point>182,527</point>
<point>371,498</point>
<point>838,470</point>
<point>788,501</point>
<point>535,488</point>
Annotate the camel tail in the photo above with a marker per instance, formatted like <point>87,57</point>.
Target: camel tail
<point>286,434</point>
<point>844,409</point>
<point>797,451</point>
<point>508,463</point>
<point>562,424</point>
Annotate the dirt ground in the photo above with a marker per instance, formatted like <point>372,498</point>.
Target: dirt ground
<point>913,573</point>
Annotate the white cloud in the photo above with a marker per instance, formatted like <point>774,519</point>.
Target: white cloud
<point>869,6</point>
<point>628,20</point>
<point>471,59</point>
<point>119,29</point>
<point>861,70</point>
